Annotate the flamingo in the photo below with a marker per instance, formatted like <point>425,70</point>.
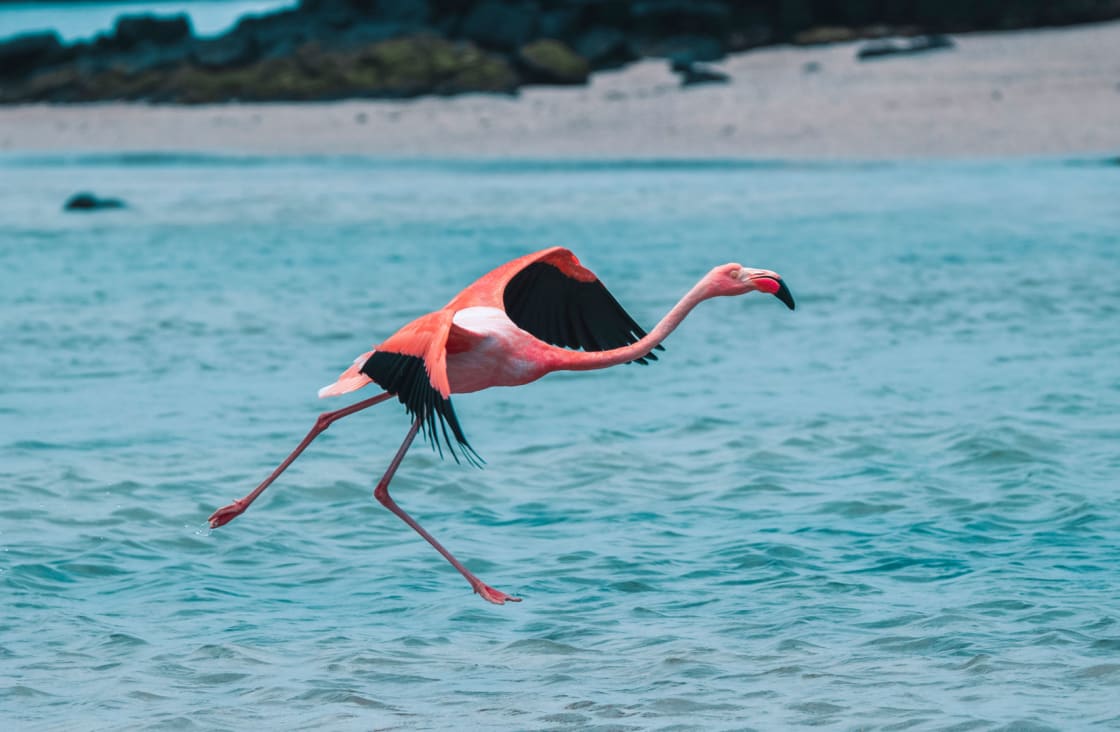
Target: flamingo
<point>521,321</point>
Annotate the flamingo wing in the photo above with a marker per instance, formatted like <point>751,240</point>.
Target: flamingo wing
<point>412,364</point>
<point>560,302</point>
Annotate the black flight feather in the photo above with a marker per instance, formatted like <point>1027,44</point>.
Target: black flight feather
<point>407,377</point>
<point>565,312</point>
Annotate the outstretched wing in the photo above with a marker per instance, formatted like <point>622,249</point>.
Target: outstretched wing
<point>412,364</point>
<point>562,303</point>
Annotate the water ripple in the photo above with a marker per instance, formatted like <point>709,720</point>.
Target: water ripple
<point>893,509</point>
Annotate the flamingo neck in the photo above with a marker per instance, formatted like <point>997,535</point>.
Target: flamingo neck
<point>588,360</point>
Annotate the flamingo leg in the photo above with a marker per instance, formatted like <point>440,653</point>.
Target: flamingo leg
<point>225,514</point>
<point>381,493</point>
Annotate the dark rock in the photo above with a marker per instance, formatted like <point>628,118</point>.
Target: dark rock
<point>337,14</point>
<point>364,34</point>
<point>340,14</point>
<point>693,74</point>
<point>792,16</point>
<point>134,29</point>
<point>903,46</point>
<point>451,7</point>
<point>613,13</point>
<point>548,61</point>
<point>328,49</point>
<point>149,57</point>
<point>22,54</point>
<point>750,36</point>
<point>88,202</point>
<point>396,68</point>
<point>498,24</point>
<point>404,11</point>
<point>39,87</point>
<point>559,23</point>
<point>409,12</point>
<point>225,52</point>
<point>276,34</point>
<point>484,73</point>
<point>681,49</point>
<point>427,64</point>
<point>823,34</point>
<point>445,16</point>
<point>672,17</point>
<point>604,47</point>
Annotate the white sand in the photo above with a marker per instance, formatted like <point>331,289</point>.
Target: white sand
<point>1048,92</point>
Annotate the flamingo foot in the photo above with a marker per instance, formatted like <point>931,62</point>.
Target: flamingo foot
<point>495,596</point>
<point>225,514</point>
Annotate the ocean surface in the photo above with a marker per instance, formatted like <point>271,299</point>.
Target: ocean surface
<point>84,19</point>
<point>897,507</point>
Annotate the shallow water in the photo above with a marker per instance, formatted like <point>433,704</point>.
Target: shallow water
<point>896,507</point>
<point>84,19</point>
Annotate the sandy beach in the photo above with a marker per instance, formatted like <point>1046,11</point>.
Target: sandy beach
<point>1045,92</point>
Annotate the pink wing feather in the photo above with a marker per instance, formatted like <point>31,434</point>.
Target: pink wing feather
<point>350,380</point>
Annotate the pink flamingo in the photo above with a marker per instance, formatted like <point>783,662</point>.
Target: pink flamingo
<point>513,326</point>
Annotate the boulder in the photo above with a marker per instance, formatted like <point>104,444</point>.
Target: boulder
<point>22,54</point>
<point>823,34</point>
<point>335,14</point>
<point>483,72</point>
<point>145,57</point>
<point>225,52</point>
<point>395,68</point>
<point>604,47</point>
<point>682,49</point>
<point>681,16</point>
<point>750,36</point>
<point>903,46</point>
<point>86,201</point>
<point>693,74</point>
<point>132,30</point>
<point>549,61</point>
<point>409,12</point>
<point>560,23</point>
<point>364,34</point>
<point>276,34</point>
<point>500,24</point>
<point>406,67</point>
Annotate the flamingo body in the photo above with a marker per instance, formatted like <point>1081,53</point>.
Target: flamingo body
<point>510,327</point>
<point>487,349</point>
<point>539,313</point>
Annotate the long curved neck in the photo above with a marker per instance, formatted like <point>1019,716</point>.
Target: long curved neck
<point>565,360</point>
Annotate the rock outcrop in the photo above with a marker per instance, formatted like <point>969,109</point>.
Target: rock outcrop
<point>327,49</point>
<point>89,202</point>
<point>904,46</point>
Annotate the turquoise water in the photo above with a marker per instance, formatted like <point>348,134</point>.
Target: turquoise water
<point>895,508</point>
<point>83,19</point>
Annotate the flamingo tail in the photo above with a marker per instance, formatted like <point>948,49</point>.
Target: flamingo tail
<point>350,380</point>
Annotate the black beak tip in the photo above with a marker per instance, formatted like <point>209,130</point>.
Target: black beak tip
<point>785,295</point>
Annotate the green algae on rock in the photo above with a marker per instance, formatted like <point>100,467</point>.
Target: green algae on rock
<point>553,62</point>
<point>395,68</point>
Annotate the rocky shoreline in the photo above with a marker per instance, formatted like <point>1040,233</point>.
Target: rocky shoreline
<point>392,49</point>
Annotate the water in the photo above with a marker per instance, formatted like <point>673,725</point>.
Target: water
<point>896,507</point>
<point>83,20</point>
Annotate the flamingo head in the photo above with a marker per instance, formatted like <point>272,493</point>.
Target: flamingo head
<point>735,279</point>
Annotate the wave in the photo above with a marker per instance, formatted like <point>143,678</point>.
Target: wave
<point>156,158</point>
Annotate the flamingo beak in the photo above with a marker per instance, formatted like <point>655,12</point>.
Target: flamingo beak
<point>776,287</point>
<point>784,295</point>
